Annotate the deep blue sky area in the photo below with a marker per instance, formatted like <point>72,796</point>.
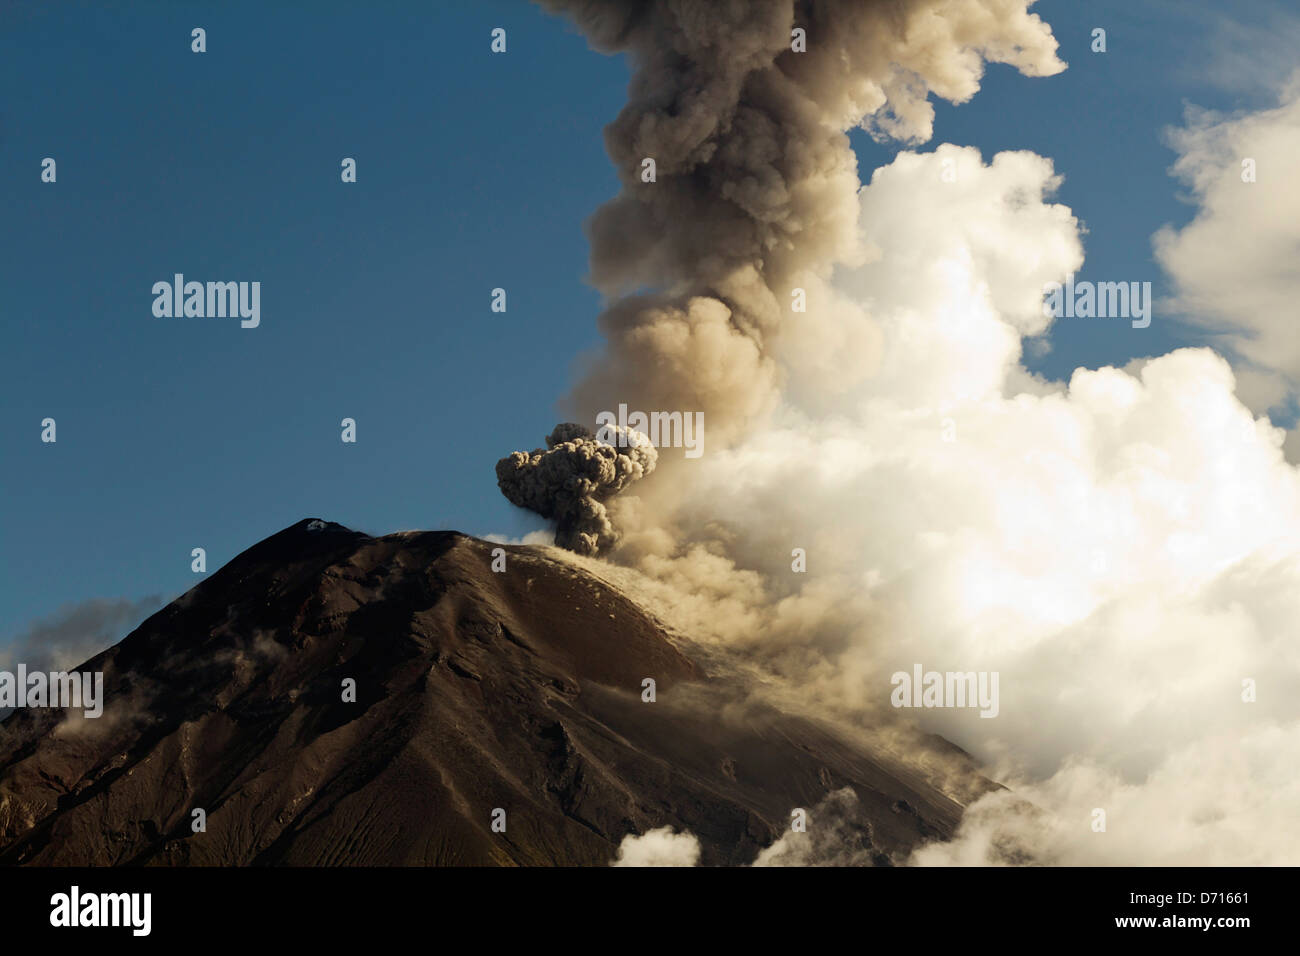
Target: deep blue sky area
<point>475,170</point>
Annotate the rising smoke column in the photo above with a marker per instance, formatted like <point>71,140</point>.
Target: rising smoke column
<point>755,188</point>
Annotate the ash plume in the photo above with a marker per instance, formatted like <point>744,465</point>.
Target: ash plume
<point>755,186</point>
<point>754,193</point>
<point>568,480</point>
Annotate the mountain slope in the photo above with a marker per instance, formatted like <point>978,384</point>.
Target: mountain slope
<point>475,690</point>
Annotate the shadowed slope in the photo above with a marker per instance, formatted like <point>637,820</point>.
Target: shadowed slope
<point>475,690</point>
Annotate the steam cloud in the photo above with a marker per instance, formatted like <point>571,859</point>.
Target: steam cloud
<point>1123,548</point>
<point>837,834</point>
<point>76,632</point>
<point>660,847</point>
<point>835,837</point>
<point>1233,267</point>
<point>568,481</point>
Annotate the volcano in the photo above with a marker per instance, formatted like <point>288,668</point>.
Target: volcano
<point>473,691</point>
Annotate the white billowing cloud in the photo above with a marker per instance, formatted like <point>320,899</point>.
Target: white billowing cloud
<point>1123,549</point>
<point>659,847</point>
<point>1233,267</point>
<point>960,254</point>
<point>1246,45</point>
<point>933,315</point>
<point>1229,799</point>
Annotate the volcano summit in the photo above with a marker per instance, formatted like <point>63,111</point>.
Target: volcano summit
<point>473,692</point>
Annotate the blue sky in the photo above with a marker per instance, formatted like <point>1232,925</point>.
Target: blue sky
<point>474,171</point>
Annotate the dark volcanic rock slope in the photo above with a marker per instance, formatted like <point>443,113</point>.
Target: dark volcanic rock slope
<point>474,690</point>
